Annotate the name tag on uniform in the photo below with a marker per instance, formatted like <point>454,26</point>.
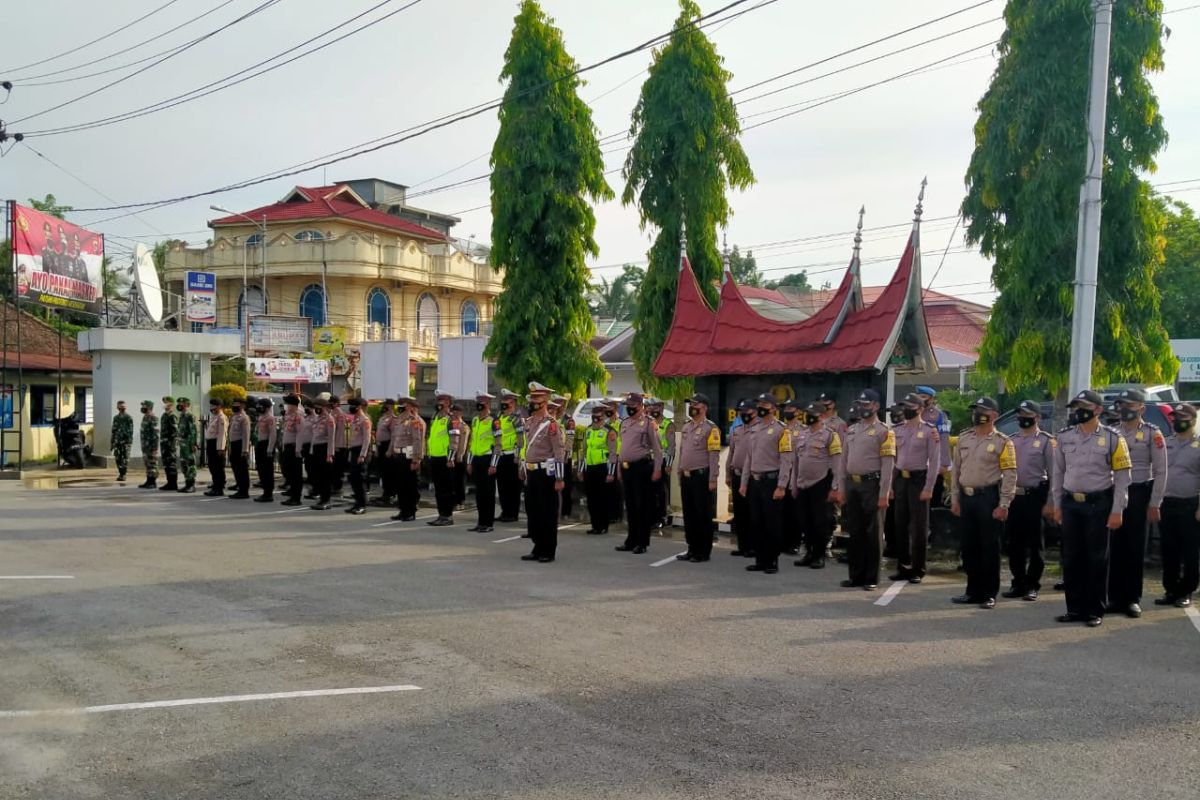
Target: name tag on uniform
<point>1037,443</point>
<point>1102,442</point>
<point>991,448</point>
<point>406,451</point>
<point>870,431</point>
<point>920,434</point>
<point>1141,436</point>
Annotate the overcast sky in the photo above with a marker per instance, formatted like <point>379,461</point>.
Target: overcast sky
<point>814,168</point>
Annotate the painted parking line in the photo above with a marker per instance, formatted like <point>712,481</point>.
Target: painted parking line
<point>205,701</point>
<point>888,596</point>
<point>1193,615</point>
<point>37,577</point>
<point>667,560</point>
<point>401,522</point>
<point>509,539</point>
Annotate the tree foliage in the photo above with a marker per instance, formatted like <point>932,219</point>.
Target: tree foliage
<point>744,268</point>
<point>685,157</point>
<point>1023,185</point>
<point>617,298</point>
<point>1180,273</point>
<point>796,280</point>
<point>546,166</point>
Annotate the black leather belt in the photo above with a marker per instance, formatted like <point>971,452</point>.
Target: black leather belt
<point>765,476</point>
<point>870,476</point>
<point>687,473</point>
<point>913,473</point>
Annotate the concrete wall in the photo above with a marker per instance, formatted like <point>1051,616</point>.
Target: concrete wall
<point>132,377</point>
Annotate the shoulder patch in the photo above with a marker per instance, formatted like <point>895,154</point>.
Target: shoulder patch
<point>785,442</point>
<point>1120,455</point>
<point>888,446</point>
<point>714,440</point>
<point>553,426</point>
<point>835,444</point>
<point>1008,456</point>
<point>1159,441</point>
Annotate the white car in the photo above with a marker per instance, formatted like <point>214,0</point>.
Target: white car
<point>583,412</point>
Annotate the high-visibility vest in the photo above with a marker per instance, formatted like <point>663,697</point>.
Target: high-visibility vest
<point>662,435</point>
<point>439,437</point>
<point>508,434</point>
<point>617,430</point>
<point>597,446</point>
<point>482,438</point>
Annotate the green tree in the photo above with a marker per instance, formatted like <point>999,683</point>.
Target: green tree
<point>50,205</point>
<point>798,280</point>
<point>685,157</point>
<point>1023,189</point>
<point>1180,273</point>
<point>546,165</point>
<point>744,268</point>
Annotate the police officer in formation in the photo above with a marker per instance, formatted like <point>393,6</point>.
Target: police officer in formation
<point>918,458</point>
<point>384,465</point>
<point>792,527</point>
<point>869,456</point>
<point>293,466</point>
<point>441,459</point>
<point>766,479</point>
<point>122,439</point>
<point>149,438</point>
<point>512,441</point>
<point>485,451</point>
<point>655,408</point>
<point>189,444</point>
<point>816,483</point>
<point>1023,528</point>
<point>734,467</point>
<point>641,469</point>
<point>267,431</point>
<point>408,449</point>
<point>598,468</point>
<point>544,460</point>
<point>359,453</point>
<point>239,450</point>
<point>699,470</point>
<point>1180,524</point>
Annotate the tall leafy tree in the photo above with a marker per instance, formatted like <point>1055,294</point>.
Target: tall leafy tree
<point>1180,273</point>
<point>547,165</point>
<point>685,157</point>
<point>1023,189</point>
<point>744,268</point>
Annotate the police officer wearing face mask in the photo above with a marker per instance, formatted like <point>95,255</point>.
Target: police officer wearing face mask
<point>699,466</point>
<point>1023,528</point>
<point>918,456</point>
<point>1180,526</point>
<point>599,468</point>
<point>512,441</point>
<point>793,534</point>
<point>485,451</point>
<point>869,455</point>
<point>734,464</point>
<point>1089,487</point>
<point>441,460</point>
<point>1148,482</point>
<point>816,483</point>
<point>766,480</point>
<point>641,469</point>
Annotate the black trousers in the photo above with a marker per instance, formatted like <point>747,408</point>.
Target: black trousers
<point>1127,549</point>
<point>741,527</point>
<point>264,462</point>
<point>596,491</point>
<point>443,484</point>
<point>981,542</point>
<point>696,499</point>
<point>541,512</point>
<point>216,465</point>
<point>862,518</point>
<point>386,467</point>
<point>793,525</point>
<point>408,486</point>
<point>459,473</point>
<point>293,471</point>
<point>567,495</point>
<point>616,500</point>
<point>306,470</point>
<point>766,518</point>
<point>1026,540</point>
<point>508,485</point>
<point>337,470</point>
<point>485,490</point>
<point>639,501</point>
<point>319,469</point>
<point>358,476</point>
<point>812,506</point>
<point>912,523</point>
<point>662,498</point>
<point>239,464</point>
<point>1085,553</point>
<point>1180,547</point>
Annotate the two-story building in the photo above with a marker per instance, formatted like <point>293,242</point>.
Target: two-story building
<point>352,255</point>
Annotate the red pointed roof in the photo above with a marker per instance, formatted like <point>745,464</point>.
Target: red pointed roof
<point>691,326</point>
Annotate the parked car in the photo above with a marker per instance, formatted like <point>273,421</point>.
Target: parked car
<point>1161,393</point>
<point>1157,413</point>
<point>583,412</point>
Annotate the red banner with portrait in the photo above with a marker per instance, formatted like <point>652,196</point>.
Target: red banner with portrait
<point>58,264</point>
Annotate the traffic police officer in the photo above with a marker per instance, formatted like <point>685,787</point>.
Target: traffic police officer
<point>149,437</point>
<point>599,468</point>
<point>439,448</point>
<point>739,448</point>
<point>508,480</point>
<point>485,451</point>
<point>122,439</point>
<point>983,482</point>
<point>1089,486</point>
<point>1023,528</point>
<point>641,469</point>
<point>699,470</point>
<point>1180,525</point>
<point>544,454</point>
<point>566,426</point>
<point>168,444</point>
<point>918,456</point>
<point>766,478</point>
<point>816,482</point>
<point>869,455</point>
<point>1148,482</point>
<point>408,448</point>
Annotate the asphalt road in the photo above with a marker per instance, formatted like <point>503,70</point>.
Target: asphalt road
<point>597,676</point>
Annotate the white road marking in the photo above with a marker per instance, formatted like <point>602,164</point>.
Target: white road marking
<point>509,539</point>
<point>568,527</point>
<point>398,522</point>
<point>887,597</point>
<point>1194,615</point>
<point>284,510</point>
<point>204,701</point>
<point>37,577</point>
<point>667,560</point>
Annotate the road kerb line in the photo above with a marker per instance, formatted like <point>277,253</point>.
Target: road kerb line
<point>1193,615</point>
<point>888,596</point>
<point>667,560</point>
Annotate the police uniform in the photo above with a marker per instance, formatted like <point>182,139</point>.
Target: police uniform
<point>599,470</point>
<point>460,450</point>
<point>321,460</point>
<point>384,464</point>
<point>122,439</point>
<point>508,478</point>
<point>616,489</point>
<point>699,469</point>
<point>1148,482</point>
<point>267,428</point>
<point>293,467</point>
<point>485,451</point>
<point>941,421</point>
<point>1024,527</point>
<point>216,439</point>
<point>816,475</point>
<point>149,440</point>
<point>358,453</point>
<point>168,444</point>
<point>983,478</point>
<point>239,453</point>
<point>767,470</point>
<point>304,438</point>
<point>566,427</point>
<point>869,455</point>
<point>1089,482</point>
<point>1180,528</point>
<point>641,468</point>
<point>735,459</point>
<point>543,461</point>
<point>666,442</point>
<point>793,528</point>
<point>440,467</point>
<point>408,448</point>
<point>918,458</point>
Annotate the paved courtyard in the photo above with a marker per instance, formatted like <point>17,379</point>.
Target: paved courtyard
<point>401,661</point>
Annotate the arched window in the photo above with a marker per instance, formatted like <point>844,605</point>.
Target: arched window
<point>254,240</point>
<point>470,319</point>
<point>255,299</point>
<point>379,308</point>
<point>427,314</point>
<point>309,236</point>
<point>312,304</point>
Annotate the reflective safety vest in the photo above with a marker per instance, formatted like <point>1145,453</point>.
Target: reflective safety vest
<point>439,437</point>
<point>662,434</point>
<point>597,446</point>
<point>615,428</point>
<point>508,434</point>
<point>482,438</point>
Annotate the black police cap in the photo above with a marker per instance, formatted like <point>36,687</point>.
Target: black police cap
<point>986,403</point>
<point>1030,407</point>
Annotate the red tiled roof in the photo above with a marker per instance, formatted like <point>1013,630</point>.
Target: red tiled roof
<point>322,205</point>
<point>687,340</point>
<point>44,362</point>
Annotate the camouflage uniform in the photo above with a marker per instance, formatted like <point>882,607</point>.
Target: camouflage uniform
<point>149,436</point>
<point>189,442</point>
<point>122,438</point>
<point>168,443</point>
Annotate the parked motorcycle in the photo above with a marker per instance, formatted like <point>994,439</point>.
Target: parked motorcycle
<point>72,449</point>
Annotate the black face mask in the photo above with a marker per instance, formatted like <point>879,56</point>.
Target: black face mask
<point>1081,415</point>
<point>480,407</point>
<point>656,414</point>
<point>979,418</point>
<point>631,410</point>
<point>693,411</point>
<point>789,415</point>
<point>746,416</point>
<point>811,419</point>
<point>865,413</point>
<point>1027,422</point>
<point>762,412</point>
<point>910,413</point>
<point>237,409</point>
<point>1182,425</point>
<point>1128,414</point>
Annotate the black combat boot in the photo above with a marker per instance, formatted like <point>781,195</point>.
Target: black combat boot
<point>189,487</point>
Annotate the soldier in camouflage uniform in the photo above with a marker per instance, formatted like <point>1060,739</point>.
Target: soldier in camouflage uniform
<point>122,438</point>
<point>189,444</point>
<point>149,436</point>
<point>168,445</point>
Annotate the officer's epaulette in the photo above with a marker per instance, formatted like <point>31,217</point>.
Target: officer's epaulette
<point>1068,428</point>
<point>1047,434</point>
<point>1111,429</point>
<point>965,430</point>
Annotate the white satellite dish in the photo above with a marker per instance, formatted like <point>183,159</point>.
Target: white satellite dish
<point>146,278</point>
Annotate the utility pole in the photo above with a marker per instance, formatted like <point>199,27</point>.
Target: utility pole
<point>1087,253</point>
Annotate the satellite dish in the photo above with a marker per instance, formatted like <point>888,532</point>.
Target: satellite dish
<point>146,278</point>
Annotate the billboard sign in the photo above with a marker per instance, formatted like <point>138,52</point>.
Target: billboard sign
<point>200,297</point>
<point>280,333</point>
<point>385,369</point>
<point>289,370</point>
<point>1188,353</point>
<point>58,264</point>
